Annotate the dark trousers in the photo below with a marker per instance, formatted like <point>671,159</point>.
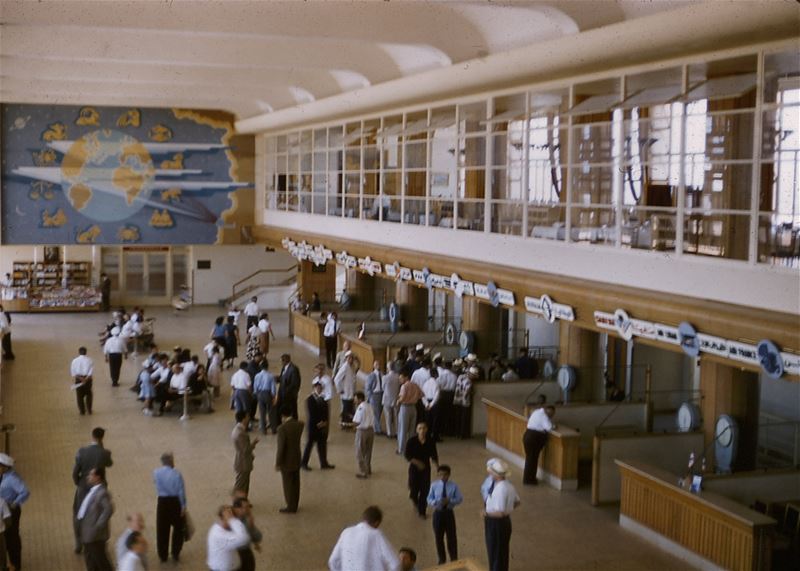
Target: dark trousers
<point>96,556</point>
<point>320,438</point>
<point>247,559</point>
<point>446,425</point>
<point>419,484</point>
<point>84,396</point>
<point>13,541</point>
<point>8,353</point>
<point>348,410</point>
<point>498,541</point>
<point>433,418</point>
<point>444,524</point>
<point>168,517</point>
<point>464,421</point>
<point>291,488</point>
<point>114,367</point>
<point>242,400</point>
<point>331,344</point>
<point>533,441</point>
<point>251,320</point>
<point>265,416</point>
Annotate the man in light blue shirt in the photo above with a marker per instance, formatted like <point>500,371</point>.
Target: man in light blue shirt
<point>15,493</point>
<point>171,508</point>
<point>264,389</point>
<point>443,496</point>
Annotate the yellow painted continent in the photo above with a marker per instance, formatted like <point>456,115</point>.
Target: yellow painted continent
<point>130,181</point>
<point>56,220</point>
<point>73,162</point>
<point>161,219</point>
<point>79,195</point>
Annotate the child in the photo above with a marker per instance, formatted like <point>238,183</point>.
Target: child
<point>443,496</point>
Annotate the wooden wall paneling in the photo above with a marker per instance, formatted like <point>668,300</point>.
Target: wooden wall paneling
<point>309,330</point>
<point>413,302</point>
<point>361,287</point>
<point>316,280</point>
<point>725,320</point>
<point>579,347</point>
<point>486,322</point>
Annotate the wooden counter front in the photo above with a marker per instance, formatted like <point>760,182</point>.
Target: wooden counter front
<point>308,331</point>
<point>558,462</point>
<point>705,527</point>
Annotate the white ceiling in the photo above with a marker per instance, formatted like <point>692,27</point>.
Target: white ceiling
<point>252,57</point>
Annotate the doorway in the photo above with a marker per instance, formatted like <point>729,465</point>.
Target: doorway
<point>148,275</point>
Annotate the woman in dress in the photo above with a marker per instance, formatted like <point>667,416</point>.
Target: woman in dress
<point>253,343</point>
<point>215,370</point>
<point>231,342</point>
<point>265,328</point>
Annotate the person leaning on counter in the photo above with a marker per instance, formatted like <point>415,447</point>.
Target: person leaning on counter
<point>539,425</point>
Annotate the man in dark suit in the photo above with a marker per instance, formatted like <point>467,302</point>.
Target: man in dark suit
<point>287,458</point>
<point>318,417</point>
<point>87,458</point>
<point>290,385</point>
<point>93,516</point>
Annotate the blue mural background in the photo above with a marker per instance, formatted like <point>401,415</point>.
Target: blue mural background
<point>131,185</point>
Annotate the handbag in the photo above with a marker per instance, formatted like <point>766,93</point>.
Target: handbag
<point>188,527</point>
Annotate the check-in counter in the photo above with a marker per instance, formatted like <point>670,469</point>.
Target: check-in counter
<point>382,346</point>
<point>558,463</point>
<point>706,530</point>
<point>307,331</point>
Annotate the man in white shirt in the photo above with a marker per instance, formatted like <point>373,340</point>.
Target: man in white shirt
<point>421,375</point>
<point>501,500</point>
<point>326,382</point>
<point>251,312</point>
<point>135,524</point>
<point>447,387</point>
<point>331,334</point>
<point>81,370</point>
<point>225,537</point>
<point>363,546</point>
<point>134,557</point>
<point>241,385</point>
<point>115,349</point>
<point>430,400</point>
<point>363,421</point>
<point>534,440</point>
<point>391,388</point>
<point>345,381</point>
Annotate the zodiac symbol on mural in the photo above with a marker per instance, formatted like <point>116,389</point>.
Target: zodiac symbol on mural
<point>55,220</point>
<point>161,219</point>
<point>39,189</point>
<point>88,116</point>
<point>44,157</point>
<point>128,234</point>
<point>55,132</point>
<point>171,195</point>
<point>160,133</point>
<point>175,163</point>
<point>89,235</point>
<point>131,118</point>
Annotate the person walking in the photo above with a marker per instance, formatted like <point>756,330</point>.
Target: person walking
<point>364,547</point>
<point>242,509</point>
<point>289,390</point>
<point>135,524</point>
<point>242,387</point>
<point>420,450</point>
<point>115,349</point>
<point>171,508</point>
<point>88,457</point>
<point>501,499</point>
<point>373,390</point>
<point>225,537</point>
<point>251,313</point>
<point>94,515</point>
<point>443,496</point>
<point>14,492</point>
<point>407,399</point>
<point>266,392</point>
<point>331,335</point>
<point>81,369</point>
<point>391,390</point>
<point>265,332</point>
<point>345,381</point>
<point>534,440</point>
<point>318,417</point>
<point>135,556</point>
<point>288,459</point>
<point>244,447</point>
<point>365,435</point>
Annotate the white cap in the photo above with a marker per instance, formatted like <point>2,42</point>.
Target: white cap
<point>497,467</point>
<point>474,371</point>
<point>471,357</point>
<point>419,347</point>
<point>458,362</point>
<point>437,356</point>
<point>6,460</point>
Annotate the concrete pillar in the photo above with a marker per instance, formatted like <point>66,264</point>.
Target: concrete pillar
<point>579,348</point>
<point>486,322</point>
<point>735,392</point>
<point>320,279</point>
<point>413,302</point>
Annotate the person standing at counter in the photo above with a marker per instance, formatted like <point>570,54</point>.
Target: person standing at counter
<point>462,401</point>
<point>535,438</point>
<point>331,334</point>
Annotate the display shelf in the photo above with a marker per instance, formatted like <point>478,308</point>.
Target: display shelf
<point>51,274</point>
<point>75,298</point>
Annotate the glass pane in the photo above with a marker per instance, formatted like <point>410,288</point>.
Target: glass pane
<point>779,241</point>
<point>110,266</point>
<point>781,77</point>
<point>547,221</point>
<point>443,168</point>
<point>134,273</point>
<point>370,208</point>
<point>371,158</point>
<point>320,161</point>
<point>471,214</point>
<point>282,143</point>
<point>320,138</point>
<point>507,218</point>
<point>595,100</point>
<point>718,186</point>
<point>545,178</point>
<point>507,184</point>
<point>305,162</point>
<point>303,202</point>
<point>442,213</point>
<point>157,274</point>
<point>335,205</point>
<point>472,152</point>
<point>471,183</point>
<point>472,117</point>
<point>648,229</point>
<point>415,183</point>
<point>180,271</point>
<point>721,235</point>
<point>391,189</point>
<point>318,191</point>
<point>415,211</point>
<point>780,189</point>
<point>724,84</point>
<point>371,183</point>
<point>336,137</point>
<point>352,184</point>
<point>351,206</point>
<point>416,155</point>
<point>594,184</point>
<point>595,144</point>
<point>369,135</point>
<point>595,225</point>
<point>352,159</point>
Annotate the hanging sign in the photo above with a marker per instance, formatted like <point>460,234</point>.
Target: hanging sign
<point>369,266</point>
<point>548,309</point>
<point>346,260</point>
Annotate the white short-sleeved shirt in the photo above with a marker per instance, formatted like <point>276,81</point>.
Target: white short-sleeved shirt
<point>364,417</point>
<point>241,380</point>
<point>327,386</point>
<point>502,498</point>
<point>539,421</point>
<point>363,547</point>
<point>251,309</point>
<point>420,376</point>
<point>114,345</point>
<point>82,366</point>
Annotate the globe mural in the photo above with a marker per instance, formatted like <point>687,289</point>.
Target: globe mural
<point>107,175</point>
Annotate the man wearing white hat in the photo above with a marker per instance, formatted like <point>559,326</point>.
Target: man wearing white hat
<point>14,493</point>
<point>501,499</point>
<point>114,350</point>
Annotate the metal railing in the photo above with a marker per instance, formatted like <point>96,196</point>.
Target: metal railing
<point>237,290</point>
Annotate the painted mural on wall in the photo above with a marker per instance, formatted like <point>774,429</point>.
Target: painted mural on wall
<point>116,175</point>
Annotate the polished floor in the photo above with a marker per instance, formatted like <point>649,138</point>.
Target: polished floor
<point>552,530</point>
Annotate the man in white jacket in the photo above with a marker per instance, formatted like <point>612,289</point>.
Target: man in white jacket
<point>224,538</point>
<point>363,546</point>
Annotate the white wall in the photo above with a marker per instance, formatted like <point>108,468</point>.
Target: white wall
<point>542,333</point>
<point>671,371</point>
<point>229,264</point>
<point>780,397</point>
